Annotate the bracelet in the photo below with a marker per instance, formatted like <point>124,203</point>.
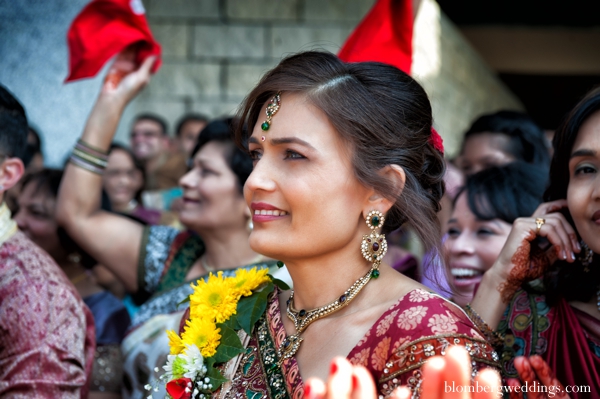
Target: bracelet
<point>91,149</point>
<point>82,163</point>
<point>97,161</point>
<point>493,337</point>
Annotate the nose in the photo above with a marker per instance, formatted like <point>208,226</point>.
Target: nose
<point>189,180</point>
<point>460,245</point>
<point>262,177</point>
<point>21,220</point>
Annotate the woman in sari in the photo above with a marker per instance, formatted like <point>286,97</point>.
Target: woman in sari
<point>341,153</point>
<point>157,263</point>
<point>556,317</point>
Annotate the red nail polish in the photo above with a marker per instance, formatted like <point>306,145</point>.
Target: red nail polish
<point>307,391</point>
<point>354,382</point>
<point>334,368</point>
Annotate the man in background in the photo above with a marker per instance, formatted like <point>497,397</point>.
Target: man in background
<point>151,145</point>
<point>46,332</point>
<point>188,130</point>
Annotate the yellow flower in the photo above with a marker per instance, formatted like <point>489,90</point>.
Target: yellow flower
<point>245,281</point>
<point>214,299</point>
<point>175,342</point>
<point>203,333</point>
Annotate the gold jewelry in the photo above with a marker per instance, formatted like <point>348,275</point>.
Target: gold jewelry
<point>585,256</point>
<point>8,227</point>
<point>374,246</point>
<point>539,222</point>
<point>271,110</point>
<point>493,337</point>
<point>303,318</point>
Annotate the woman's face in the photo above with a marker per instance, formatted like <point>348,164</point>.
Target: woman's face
<point>304,196</point>
<point>211,193</point>
<point>121,180</point>
<point>583,192</point>
<point>471,247</point>
<point>35,218</point>
<point>484,150</point>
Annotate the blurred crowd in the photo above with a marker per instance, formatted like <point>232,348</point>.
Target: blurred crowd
<point>129,246</point>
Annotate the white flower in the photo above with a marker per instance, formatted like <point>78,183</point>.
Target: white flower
<point>169,367</point>
<point>194,362</point>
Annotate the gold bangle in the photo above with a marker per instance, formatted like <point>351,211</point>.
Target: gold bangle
<point>494,338</point>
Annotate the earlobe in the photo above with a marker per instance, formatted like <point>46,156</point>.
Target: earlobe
<point>397,177</point>
<point>11,170</point>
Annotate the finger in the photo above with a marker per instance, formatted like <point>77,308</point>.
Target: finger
<point>148,64</point>
<point>457,372</point>
<point>554,231</point>
<point>527,375</point>
<point>339,384</point>
<point>314,388</point>
<point>433,379</point>
<point>547,377</point>
<point>570,231</point>
<point>402,392</point>
<point>363,385</point>
<point>549,207</point>
<point>487,384</point>
<point>513,387</point>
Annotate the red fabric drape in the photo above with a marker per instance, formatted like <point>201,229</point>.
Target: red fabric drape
<point>569,354</point>
<point>103,29</point>
<point>384,35</point>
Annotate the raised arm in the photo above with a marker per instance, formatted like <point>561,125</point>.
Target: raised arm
<point>515,264</point>
<point>112,240</point>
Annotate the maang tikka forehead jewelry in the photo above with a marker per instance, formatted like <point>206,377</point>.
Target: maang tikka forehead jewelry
<point>374,246</point>
<point>271,110</point>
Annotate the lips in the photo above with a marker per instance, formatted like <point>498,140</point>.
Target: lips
<point>465,275</point>
<point>596,217</point>
<point>263,212</point>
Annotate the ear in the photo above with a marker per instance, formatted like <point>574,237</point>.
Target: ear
<point>396,176</point>
<point>11,170</point>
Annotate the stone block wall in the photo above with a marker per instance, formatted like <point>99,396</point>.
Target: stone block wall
<point>215,51</point>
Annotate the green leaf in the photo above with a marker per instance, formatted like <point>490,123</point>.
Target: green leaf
<point>232,323</point>
<point>186,300</point>
<point>215,377</point>
<point>229,346</point>
<point>280,283</point>
<point>251,308</point>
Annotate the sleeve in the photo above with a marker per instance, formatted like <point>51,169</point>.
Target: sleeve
<point>154,251</point>
<point>47,343</point>
<point>425,325</point>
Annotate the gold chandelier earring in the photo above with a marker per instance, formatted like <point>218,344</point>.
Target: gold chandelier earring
<point>374,246</point>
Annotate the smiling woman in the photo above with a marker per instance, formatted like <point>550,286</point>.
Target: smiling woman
<point>482,218</point>
<point>560,309</point>
<point>156,264</point>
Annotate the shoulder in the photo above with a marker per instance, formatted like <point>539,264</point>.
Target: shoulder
<point>418,326</point>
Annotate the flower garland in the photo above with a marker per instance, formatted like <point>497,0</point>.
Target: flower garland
<point>219,307</point>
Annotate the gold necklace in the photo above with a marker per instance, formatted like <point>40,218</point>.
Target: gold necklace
<point>303,318</point>
<point>8,227</point>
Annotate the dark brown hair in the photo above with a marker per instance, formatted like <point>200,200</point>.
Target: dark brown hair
<point>563,279</point>
<point>383,114</point>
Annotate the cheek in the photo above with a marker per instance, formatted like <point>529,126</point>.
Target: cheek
<point>42,229</point>
<point>490,250</point>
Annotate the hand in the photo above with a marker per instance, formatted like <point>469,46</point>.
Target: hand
<point>126,78</point>
<point>439,375</point>
<point>556,229</point>
<point>536,373</point>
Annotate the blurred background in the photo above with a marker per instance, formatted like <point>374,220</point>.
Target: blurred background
<point>471,56</point>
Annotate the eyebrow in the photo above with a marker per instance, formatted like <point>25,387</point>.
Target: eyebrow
<point>583,153</point>
<point>284,140</point>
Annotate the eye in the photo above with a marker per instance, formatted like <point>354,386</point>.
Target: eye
<point>255,155</point>
<point>289,154</point>
<point>453,232</point>
<point>484,231</point>
<point>584,169</point>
